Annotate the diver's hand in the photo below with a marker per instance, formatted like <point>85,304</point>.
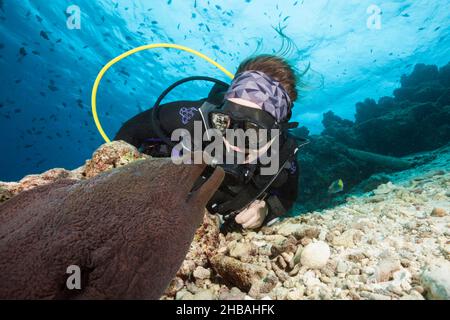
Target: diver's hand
<point>253,216</point>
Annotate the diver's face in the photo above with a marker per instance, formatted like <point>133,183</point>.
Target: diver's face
<point>249,154</point>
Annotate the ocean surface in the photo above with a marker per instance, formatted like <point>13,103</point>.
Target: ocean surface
<point>52,51</point>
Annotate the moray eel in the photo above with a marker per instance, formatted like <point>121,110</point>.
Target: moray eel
<point>128,230</point>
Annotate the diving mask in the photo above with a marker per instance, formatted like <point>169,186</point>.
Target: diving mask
<point>255,123</point>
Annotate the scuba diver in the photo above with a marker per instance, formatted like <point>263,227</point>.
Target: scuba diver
<point>260,96</point>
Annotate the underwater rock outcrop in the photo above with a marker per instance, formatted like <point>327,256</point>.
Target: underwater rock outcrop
<point>128,229</point>
<point>108,156</point>
<point>415,119</point>
<point>382,139</point>
<point>389,244</point>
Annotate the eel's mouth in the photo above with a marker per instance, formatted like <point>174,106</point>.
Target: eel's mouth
<point>204,176</point>
<point>207,183</point>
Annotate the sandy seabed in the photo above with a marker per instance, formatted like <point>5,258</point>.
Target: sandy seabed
<point>391,243</point>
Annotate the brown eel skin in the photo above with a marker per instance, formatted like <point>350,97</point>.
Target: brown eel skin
<point>128,229</point>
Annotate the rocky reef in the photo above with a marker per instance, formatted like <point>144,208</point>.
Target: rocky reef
<point>107,156</point>
<point>385,236</point>
<point>415,119</point>
<point>391,243</point>
<point>381,140</point>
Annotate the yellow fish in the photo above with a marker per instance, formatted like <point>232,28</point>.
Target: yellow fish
<point>336,187</point>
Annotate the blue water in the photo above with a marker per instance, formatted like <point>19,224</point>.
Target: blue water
<point>47,70</point>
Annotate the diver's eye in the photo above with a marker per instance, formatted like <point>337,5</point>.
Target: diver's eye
<point>220,121</point>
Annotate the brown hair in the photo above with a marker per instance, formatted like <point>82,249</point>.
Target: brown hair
<point>276,68</point>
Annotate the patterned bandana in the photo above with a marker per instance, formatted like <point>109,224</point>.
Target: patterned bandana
<point>259,88</point>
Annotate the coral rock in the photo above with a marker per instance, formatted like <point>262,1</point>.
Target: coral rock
<point>201,273</point>
<point>438,212</point>
<point>10,189</point>
<point>111,155</point>
<point>385,269</point>
<point>242,251</point>
<point>348,239</point>
<point>436,280</point>
<point>315,255</point>
<point>245,276</point>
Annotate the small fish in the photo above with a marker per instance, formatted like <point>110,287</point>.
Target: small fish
<point>336,187</point>
<point>22,52</point>
<point>124,73</point>
<point>44,35</point>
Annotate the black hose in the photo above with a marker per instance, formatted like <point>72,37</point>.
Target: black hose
<point>155,114</point>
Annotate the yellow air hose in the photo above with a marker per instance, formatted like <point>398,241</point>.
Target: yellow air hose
<point>129,53</point>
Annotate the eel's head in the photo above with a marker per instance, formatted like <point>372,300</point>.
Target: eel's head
<point>158,206</point>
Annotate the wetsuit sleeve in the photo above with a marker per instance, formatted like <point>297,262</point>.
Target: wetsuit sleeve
<point>139,128</point>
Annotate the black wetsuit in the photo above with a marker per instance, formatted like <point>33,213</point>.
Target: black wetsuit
<point>281,194</point>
